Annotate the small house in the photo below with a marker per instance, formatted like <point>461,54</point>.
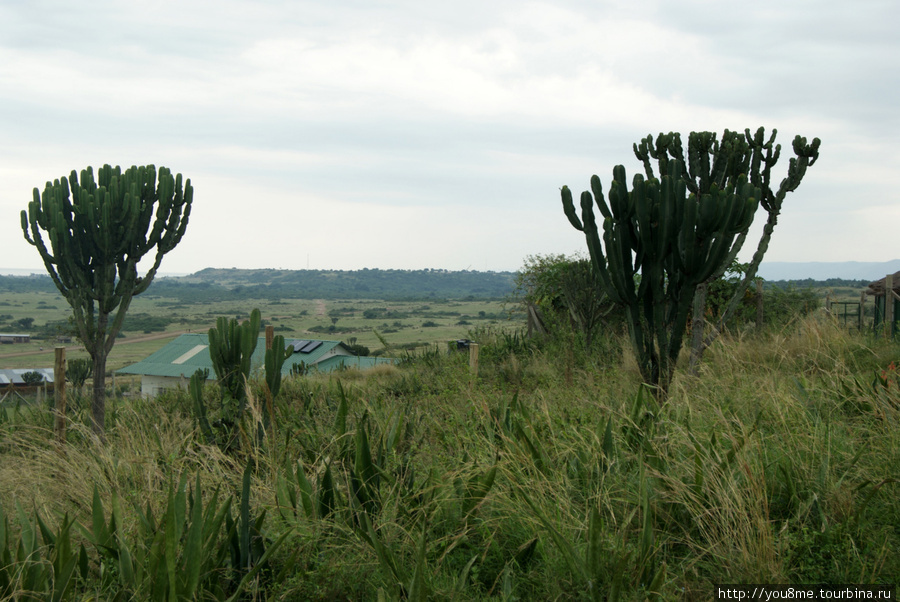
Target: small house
<point>15,378</point>
<point>173,365</point>
<point>9,338</point>
<point>13,382</point>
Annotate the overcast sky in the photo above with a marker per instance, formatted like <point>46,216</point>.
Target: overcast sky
<point>412,134</point>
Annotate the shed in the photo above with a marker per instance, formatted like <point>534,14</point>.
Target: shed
<point>173,365</point>
<point>14,376</point>
<point>9,338</point>
<point>885,312</point>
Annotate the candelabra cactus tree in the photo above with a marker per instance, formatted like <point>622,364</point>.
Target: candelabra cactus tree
<point>720,163</point>
<point>97,232</point>
<point>674,239</point>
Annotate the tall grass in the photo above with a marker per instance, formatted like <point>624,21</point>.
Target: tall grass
<point>549,476</point>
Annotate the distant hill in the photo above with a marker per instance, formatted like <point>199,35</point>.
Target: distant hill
<point>816,270</point>
<point>213,284</point>
<point>338,284</point>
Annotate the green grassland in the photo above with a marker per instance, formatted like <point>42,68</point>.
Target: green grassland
<point>405,325</point>
<point>551,474</point>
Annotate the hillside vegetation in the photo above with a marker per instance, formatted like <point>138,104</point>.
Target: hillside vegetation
<point>552,474</point>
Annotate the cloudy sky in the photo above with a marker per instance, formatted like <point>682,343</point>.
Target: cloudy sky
<point>415,134</point>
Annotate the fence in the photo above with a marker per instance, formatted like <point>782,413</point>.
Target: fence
<point>885,314</point>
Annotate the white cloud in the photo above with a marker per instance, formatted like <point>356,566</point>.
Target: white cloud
<point>405,124</point>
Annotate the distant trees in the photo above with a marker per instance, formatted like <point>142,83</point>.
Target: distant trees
<point>97,231</point>
<point>24,323</point>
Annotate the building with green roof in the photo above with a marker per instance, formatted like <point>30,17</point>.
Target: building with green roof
<point>173,365</point>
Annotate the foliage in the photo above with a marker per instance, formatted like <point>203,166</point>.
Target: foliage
<point>96,240</point>
<point>191,549</point>
<point>78,370</point>
<point>273,363</point>
<point>775,465</point>
<point>781,304</point>
<point>231,348</point>
<point>146,323</point>
<point>24,323</point>
<point>568,295</point>
<point>357,349</point>
<point>32,378</point>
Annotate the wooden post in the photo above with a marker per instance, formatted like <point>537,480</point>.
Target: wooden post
<point>270,336</point>
<point>862,310</point>
<point>473,359</point>
<point>59,388</point>
<point>889,305</point>
<point>828,303</point>
<point>759,303</point>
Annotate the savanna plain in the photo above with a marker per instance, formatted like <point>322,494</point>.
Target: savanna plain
<point>551,473</point>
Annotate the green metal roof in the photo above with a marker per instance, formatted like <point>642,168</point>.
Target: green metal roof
<point>190,352</point>
<point>337,362</point>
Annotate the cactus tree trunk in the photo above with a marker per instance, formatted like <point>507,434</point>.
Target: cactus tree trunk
<point>98,399</point>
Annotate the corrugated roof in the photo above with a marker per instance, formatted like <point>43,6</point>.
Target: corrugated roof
<point>14,376</point>
<point>190,352</point>
<point>351,361</point>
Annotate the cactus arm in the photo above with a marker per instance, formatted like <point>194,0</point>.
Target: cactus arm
<point>569,208</point>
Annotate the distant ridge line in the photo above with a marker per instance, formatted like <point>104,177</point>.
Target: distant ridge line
<point>824,270</point>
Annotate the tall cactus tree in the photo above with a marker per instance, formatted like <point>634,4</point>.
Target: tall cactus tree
<point>713,162</point>
<point>98,231</point>
<point>681,231</point>
<point>674,239</point>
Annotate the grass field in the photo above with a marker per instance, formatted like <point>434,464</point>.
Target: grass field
<point>405,325</point>
<point>551,475</point>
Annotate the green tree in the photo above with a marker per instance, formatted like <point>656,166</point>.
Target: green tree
<point>672,234</point>
<point>25,323</point>
<point>566,293</point>
<point>98,231</point>
<point>32,378</point>
<point>710,162</point>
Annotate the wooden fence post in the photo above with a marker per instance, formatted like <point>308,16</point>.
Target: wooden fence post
<point>862,310</point>
<point>59,388</point>
<point>889,305</point>
<point>473,359</point>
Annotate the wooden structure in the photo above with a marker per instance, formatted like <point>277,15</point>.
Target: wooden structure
<point>8,338</point>
<point>887,303</point>
<point>173,365</point>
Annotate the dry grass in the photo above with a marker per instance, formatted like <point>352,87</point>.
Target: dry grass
<point>774,465</point>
